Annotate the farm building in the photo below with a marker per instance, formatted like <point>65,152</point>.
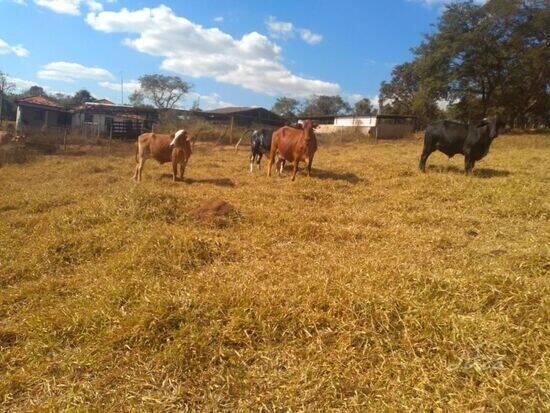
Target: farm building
<point>239,116</point>
<point>101,117</point>
<point>379,126</point>
<point>39,112</point>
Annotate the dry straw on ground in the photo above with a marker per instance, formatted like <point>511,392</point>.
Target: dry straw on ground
<point>368,286</point>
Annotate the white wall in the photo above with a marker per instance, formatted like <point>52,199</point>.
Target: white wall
<point>357,121</point>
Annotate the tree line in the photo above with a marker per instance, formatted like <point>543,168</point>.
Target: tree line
<point>481,60</point>
<point>322,106</point>
<point>491,59</point>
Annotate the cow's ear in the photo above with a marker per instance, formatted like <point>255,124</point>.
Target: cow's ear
<point>172,136</point>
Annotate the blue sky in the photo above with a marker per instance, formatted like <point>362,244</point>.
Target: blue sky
<point>244,52</point>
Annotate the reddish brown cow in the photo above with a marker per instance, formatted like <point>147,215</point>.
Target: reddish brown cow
<point>293,145</point>
<point>175,148</point>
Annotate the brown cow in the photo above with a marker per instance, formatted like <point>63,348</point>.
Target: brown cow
<point>293,145</point>
<point>175,148</point>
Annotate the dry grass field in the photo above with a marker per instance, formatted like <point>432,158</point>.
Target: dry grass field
<point>366,287</point>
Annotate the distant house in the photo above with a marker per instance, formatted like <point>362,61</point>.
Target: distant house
<point>103,117</point>
<point>40,112</point>
<point>241,116</point>
<point>378,126</point>
<point>100,118</point>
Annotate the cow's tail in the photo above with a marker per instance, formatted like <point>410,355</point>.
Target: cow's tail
<point>137,151</point>
<point>242,137</point>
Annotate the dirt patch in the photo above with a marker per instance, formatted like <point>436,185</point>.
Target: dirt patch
<point>215,210</point>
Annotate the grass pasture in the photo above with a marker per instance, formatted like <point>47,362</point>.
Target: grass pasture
<point>366,287</point>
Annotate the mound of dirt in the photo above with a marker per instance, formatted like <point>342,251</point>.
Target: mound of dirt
<point>214,210</point>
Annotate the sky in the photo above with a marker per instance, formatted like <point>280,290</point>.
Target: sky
<point>233,52</point>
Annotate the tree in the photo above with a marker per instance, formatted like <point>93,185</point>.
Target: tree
<point>196,106</point>
<point>164,91</point>
<point>81,97</point>
<point>363,107</point>
<point>285,106</point>
<point>5,88</point>
<point>489,59</point>
<point>35,91</point>
<point>326,106</point>
<point>136,98</point>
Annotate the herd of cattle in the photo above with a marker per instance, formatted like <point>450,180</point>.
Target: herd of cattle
<point>298,143</point>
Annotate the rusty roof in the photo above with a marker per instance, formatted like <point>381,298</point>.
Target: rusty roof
<point>39,101</point>
<point>231,109</point>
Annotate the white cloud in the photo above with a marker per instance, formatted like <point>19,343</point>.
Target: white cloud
<point>69,72</point>
<point>17,50</point>
<point>219,19</point>
<point>20,2</point>
<point>286,30</point>
<point>61,6</point>
<point>129,87</point>
<point>278,29</point>
<point>70,6</point>
<point>356,97</point>
<point>21,84</point>
<point>253,61</point>
<point>309,37</point>
<point>207,102</point>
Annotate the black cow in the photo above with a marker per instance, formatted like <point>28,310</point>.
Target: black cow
<point>260,144</point>
<point>473,141</point>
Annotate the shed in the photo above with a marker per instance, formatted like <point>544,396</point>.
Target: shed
<point>239,115</point>
<point>102,117</point>
<point>380,126</point>
<point>39,112</point>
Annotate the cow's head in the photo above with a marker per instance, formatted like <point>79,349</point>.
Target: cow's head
<point>308,129</point>
<point>179,137</point>
<point>493,124</point>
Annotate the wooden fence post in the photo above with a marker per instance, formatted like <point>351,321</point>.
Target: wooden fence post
<point>110,136</point>
<point>231,131</point>
<point>65,140</point>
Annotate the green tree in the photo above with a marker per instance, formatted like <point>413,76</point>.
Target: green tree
<point>136,98</point>
<point>6,87</point>
<point>81,97</point>
<point>164,91</point>
<point>285,106</point>
<point>363,107</point>
<point>489,59</point>
<point>35,91</point>
<point>326,106</point>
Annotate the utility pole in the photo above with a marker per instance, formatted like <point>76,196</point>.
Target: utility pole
<point>121,89</point>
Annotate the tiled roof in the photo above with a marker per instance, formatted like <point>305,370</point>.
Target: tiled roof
<point>39,101</point>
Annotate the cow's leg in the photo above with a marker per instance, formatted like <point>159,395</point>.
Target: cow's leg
<point>309,163</point>
<point>270,164</point>
<point>252,159</point>
<point>279,166</point>
<point>182,169</point>
<point>140,168</point>
<point>295,170</point>
<point>174,169</point>
<point>260,155</point>
<point>426,152</point>
<point>282,166</point>
<point>468,164</point>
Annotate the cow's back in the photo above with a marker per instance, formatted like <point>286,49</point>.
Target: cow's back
<point>447,136</point>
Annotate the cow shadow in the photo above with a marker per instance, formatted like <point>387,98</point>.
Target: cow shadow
<point>336,176</point>
<point>225,182</point>
<point>483,173</point>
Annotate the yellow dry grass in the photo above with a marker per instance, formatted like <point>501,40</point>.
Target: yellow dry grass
<point>367,287</point>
